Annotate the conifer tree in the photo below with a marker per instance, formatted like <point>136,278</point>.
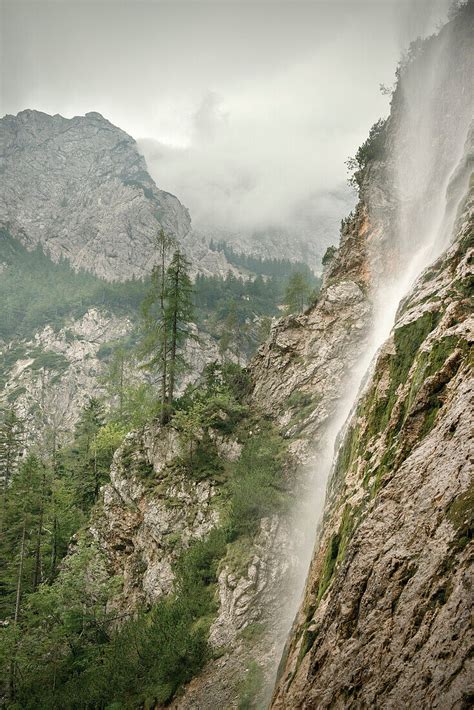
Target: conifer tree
<point>155,341</point>
<point>178,316</point>
<point>88,472</point>
<point>297,294</point>
<point>115,380</point>
<point>21,546</point>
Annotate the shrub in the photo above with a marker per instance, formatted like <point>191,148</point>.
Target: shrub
<point>257,484</point>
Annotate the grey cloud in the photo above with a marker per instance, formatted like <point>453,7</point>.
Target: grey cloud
<point>245,110</point>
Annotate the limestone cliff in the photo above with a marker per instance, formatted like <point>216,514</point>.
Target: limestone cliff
<point>50,377</point>
<point>385,616</point>
<point>386,612</point>
<point>80,188</point>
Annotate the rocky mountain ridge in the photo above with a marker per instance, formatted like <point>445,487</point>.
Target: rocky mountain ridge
<point>81,189</point>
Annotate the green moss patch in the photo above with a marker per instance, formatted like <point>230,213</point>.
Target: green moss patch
<point>461,515</point>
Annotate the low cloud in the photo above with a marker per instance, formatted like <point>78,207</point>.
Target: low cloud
<point>245,110</point>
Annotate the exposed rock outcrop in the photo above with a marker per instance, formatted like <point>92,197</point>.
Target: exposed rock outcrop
<point>302,369</point>
<point>386,615</point>
<point>142,530</point>
<point>51,377</point>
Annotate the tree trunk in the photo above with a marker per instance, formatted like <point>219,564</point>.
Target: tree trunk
<point>38,567</point>
<point>96,472</point>
<point>11,689</point>
<point>121,386</point>
<point>174,339</point>
<point>54,547</point>
<point>164,355</point>
<point>20,573</point>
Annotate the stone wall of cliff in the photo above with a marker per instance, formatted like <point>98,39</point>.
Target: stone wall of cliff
<point>385,619</point>
<point>385,614</point>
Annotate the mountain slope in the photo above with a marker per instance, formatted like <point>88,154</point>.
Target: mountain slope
<point>80,188</point>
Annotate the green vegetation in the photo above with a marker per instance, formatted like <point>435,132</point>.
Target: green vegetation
<point>461,515</point>
<point>251,688</point>
<point>298,295</point>
<point>329,255</point>
<point>237,311</point>
<point>407,339</point>
<point>62,644</point>
<point>329,564</point>
<point>257,486</point>
<point>11,443</point>
<point>282,268</point>
<point>167,311</point>
<point>372,149</point>
<point>35,292</point>
<point>307,641</point>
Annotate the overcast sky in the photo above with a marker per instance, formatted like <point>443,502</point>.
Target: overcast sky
<point>249,108</point>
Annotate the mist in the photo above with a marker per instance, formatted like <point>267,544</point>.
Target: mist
<point>245,111</point>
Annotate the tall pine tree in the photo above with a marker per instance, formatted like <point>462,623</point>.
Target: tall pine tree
<point>167,312</point>
<point>155,342</point>
<point>178,316</point>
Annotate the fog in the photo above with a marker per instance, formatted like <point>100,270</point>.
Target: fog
<point>245,110</point>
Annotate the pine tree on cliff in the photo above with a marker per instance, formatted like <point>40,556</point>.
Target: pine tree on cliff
<point>155,342</point>
<point>297,294</point>
<point>178,316</point>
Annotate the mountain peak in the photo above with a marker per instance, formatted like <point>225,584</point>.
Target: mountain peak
<point>83,193</point>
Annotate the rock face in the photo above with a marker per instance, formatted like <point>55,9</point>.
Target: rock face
<point>386,615</point>
<point>51,377</point>
<point>142,533</point>
<point>302,369</point>
<point>81,189</point>
<point>384,621</point>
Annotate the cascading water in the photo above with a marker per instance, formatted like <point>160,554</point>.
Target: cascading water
<point>428,151</point>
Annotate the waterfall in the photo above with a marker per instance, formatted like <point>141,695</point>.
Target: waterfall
<point>427,167</point>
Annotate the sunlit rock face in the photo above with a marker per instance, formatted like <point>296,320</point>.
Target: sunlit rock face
<point>80,188</point>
